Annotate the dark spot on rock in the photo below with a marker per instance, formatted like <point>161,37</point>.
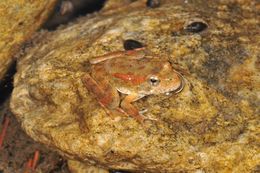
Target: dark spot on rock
<point>256,169</point>
<point>59,166</point>
<point>132,44</point>
<point>1,171</point>
<point>6,84</point>
<point>10,154</point>
<point>10,164</point>
<point>216,70</point>
<point>20,23</point>
<point>196,27</point>
<point>175,34</point>
<point>153,3</point>
<point>41,160</point>
<point>220,59</point>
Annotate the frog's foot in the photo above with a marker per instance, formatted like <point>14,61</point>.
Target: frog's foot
<point>122,112</point>
<point>105,108</point>
<point>141,112</point>
<point>141,118</point>
<point>131,110</point>
<point>138,116</point>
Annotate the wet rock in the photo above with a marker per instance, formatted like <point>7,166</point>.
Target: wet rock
<point>212,123</point>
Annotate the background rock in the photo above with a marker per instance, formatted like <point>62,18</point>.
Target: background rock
<point>67,10</point>
<point>19,20</point>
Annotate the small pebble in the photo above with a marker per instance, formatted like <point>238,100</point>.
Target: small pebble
<point>132,44</point>
<point>196,27</point>
<point>153,3</point>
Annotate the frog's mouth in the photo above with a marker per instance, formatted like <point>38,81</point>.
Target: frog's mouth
<point>180,88</point>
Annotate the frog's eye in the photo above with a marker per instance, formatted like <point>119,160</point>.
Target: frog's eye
<point>154,81</point>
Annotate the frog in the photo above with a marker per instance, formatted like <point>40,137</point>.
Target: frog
<point>133,73</point>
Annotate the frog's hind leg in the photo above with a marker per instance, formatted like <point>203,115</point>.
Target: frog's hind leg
<point>130,109</point>
<point>130,54</point>
<point>107,97</point>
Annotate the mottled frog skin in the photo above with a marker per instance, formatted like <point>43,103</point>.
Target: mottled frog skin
<point>133,73</point>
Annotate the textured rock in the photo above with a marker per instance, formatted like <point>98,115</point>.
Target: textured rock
<point>78,167</point>
<point>212,125</point>
<point>18,21</point>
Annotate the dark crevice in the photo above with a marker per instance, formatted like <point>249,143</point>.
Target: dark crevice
<point>67,10</point>
<point>59,166</point>
<point>6,84</point>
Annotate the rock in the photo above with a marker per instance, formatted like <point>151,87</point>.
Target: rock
<point>211,126</point>
<point>19,20</point>
<point>78,167</point>
<point>67,10</point>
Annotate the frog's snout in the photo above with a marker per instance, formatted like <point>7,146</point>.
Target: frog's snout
<point>171,82</point>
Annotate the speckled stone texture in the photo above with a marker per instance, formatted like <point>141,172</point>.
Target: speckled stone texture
<point>19,19</point>
<point>211,126</point>
<point>79,167</point>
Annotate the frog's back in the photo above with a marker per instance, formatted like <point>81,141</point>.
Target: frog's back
<point>142,66</point>
<point>127,74</point>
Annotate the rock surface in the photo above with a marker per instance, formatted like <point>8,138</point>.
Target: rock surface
<point>18,21</point>
<point>79,167</point>
<point>212,125</point>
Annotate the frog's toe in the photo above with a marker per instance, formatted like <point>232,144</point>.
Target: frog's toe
<point>150,118</point>
<point>143,111</point>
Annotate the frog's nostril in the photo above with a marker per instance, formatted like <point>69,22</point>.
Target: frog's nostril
<point>130,44</point>
<point>196,27</point>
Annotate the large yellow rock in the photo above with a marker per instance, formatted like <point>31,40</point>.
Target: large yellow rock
<point>211,126</point>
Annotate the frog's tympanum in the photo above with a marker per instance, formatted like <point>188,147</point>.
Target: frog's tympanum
<point>132,73</point>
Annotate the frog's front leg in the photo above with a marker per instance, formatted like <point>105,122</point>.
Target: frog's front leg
<point>107,96</point>
<point>130,109</point>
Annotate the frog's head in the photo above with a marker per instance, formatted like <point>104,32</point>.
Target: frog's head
<point>165,81</point>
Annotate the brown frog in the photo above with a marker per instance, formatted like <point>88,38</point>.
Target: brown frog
<point>133,73</point>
